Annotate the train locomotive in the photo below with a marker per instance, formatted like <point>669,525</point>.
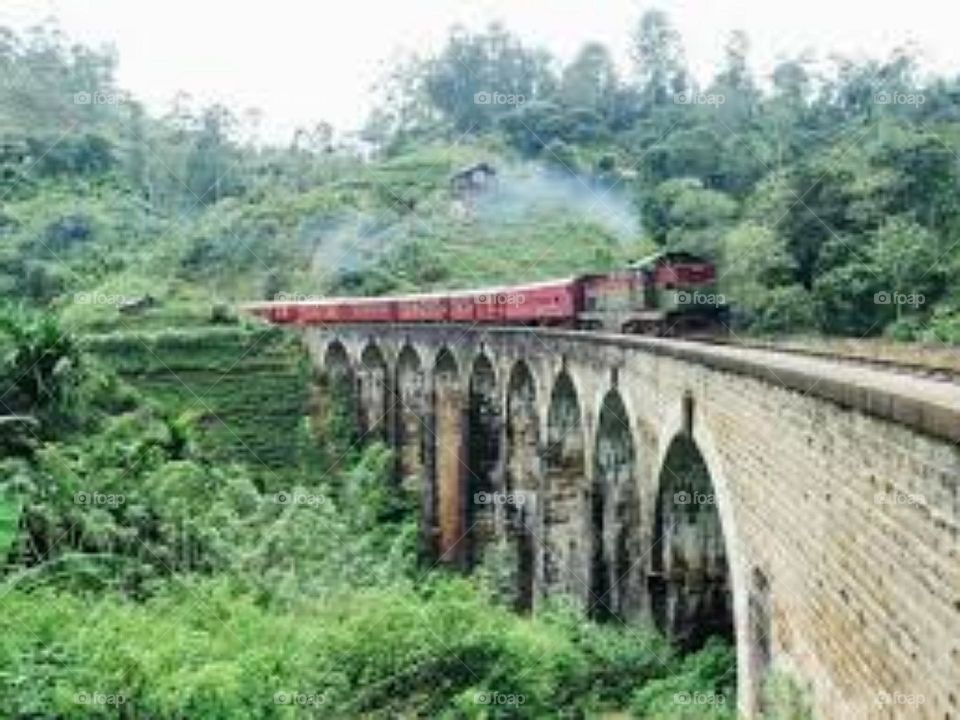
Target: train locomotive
<point>667,294</point>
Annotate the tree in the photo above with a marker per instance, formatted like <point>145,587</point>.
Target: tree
<point>681,214</point>
<point>211,162</point>
<point>658,58</point>
<point>906,258</point>
<point>39,369</point>
<point>787,113</point>
<point>478,78</point>
<point>735,85</point>
<point>758,276</point>
<point>590,80</point>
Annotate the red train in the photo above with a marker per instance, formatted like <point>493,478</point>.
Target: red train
<point>666,294</point>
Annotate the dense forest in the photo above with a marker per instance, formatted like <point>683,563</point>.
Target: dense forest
<point>826,193</point>
<point>149,436</point>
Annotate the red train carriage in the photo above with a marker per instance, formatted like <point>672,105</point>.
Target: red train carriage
<point>463,307</point>
<point>323,312</point>
<point>488,308</point>
<point>668,293</point>
<point>421,308</point>
<point>367,310</point>
<point>548,303</point>
<point>271,313</point>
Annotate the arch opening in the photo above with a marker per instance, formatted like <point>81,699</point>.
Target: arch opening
<point>484,424</point>
<point>690,587</point>
<point>523,479</point>
<point>563,569</point>
<point>410,430</point>
<point>336,360</point>
<point>614,516</point>
<point>335,403</point>
<point>374,393</point>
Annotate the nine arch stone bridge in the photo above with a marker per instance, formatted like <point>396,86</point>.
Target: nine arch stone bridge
<point>807,509</point>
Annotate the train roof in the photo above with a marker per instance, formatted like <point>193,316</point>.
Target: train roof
<point>539,285</point>
<point>367,299</point>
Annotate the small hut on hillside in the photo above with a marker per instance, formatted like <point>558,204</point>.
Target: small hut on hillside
<point>472,180</point>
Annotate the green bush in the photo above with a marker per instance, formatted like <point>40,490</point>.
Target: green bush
<point>9,521</point>
<point>784,699</point>
<point>203,649</point>
<point>702,685</point>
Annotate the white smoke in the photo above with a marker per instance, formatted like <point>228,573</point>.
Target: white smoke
<point>354,240</point>
<point>523,192</point>
<point>349,241</point>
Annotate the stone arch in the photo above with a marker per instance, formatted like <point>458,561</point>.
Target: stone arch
<point>523,471</point>
<point>614,513</point>
<point>445,361</point>
<point>335,390</point>
<point>564,570</point>
<point>484,457</point>
<point>446,502</point>
<point>373,384</point>
<point>690,584</point>
<point>410,430</point>
<point>681,418</point>
<point>336,358</point>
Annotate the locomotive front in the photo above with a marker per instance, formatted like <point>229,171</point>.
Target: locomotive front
<point>671,293</point>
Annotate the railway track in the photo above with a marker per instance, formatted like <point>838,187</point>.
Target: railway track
<point>933,362</point>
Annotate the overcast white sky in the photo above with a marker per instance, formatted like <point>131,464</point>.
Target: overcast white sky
<point>304,60</point>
